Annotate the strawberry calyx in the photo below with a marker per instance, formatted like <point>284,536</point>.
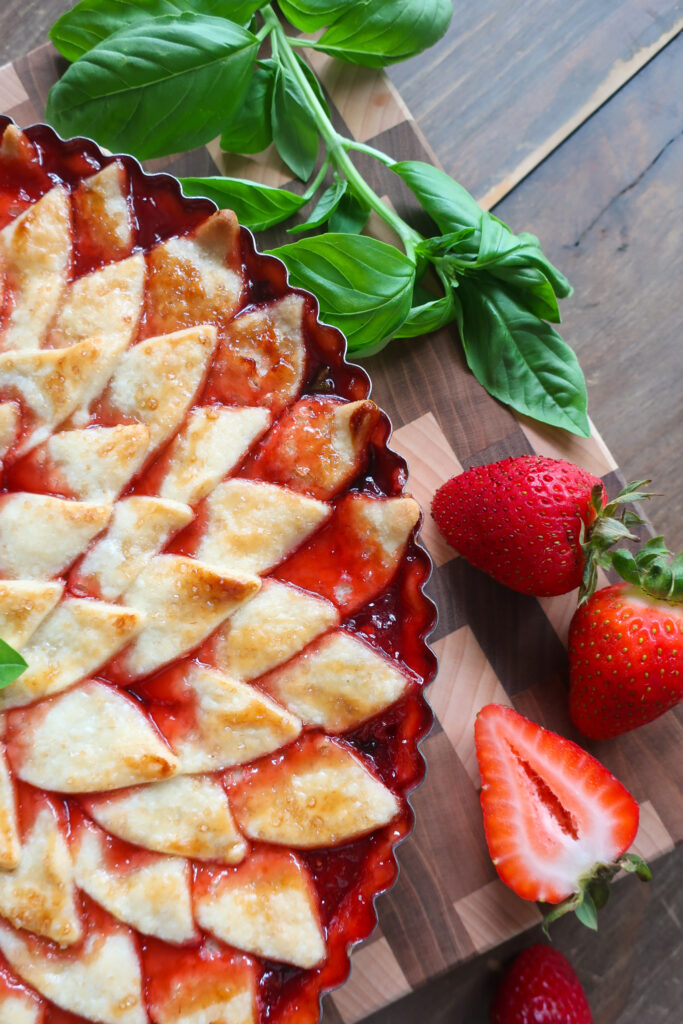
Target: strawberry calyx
<point>654,569</point>
<point>594,891</point>
<point>612,524</point>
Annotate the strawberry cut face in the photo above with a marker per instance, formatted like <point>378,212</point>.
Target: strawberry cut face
<point>552,813</point>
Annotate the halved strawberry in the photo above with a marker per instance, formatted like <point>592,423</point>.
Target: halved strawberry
<point>557,822</point>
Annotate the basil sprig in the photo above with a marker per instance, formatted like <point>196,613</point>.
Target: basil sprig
<point>154,77</point>
<point>11,664</point>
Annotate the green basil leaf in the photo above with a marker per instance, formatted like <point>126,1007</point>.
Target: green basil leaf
<point>310,15</point>
<point>364,286</point>
<point>294,131</point>
<point>350,217</point>
<point>530,254</point>
<point>428,317</point>
<point>326,205</point>
<point>379,32</point>
<point>249,129</point>
<point>91,21</point>
<point>257,206</point>
<point>11,664</point>
<point>447,203</point>
<point>531,289</point>
<point>518,358</point>
<point>160,87</point>
<point>313,82</point>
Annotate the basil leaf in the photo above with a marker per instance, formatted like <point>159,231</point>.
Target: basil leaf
<point>531,289</point>
<point>530,254</point>
<point>11,664</point>
<point>325,206</point>
<point>310,15</point>
<point>313,82</point>
<point>518,358</point>
<point>160,87</point>
<point>447,203</point>
<point>379,32</point>
<point>249,130</point>
<point>91,21</point>
<point>364,286</point>
<point>257,206</point>
<point>428,317</point>
<point>350,217</point>
<point>294,131</point>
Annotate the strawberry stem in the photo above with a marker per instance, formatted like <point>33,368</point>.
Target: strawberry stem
<point>594,891</point>
<point>654,569</point>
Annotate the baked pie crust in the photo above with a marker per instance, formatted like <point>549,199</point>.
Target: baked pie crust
<point>208,561</point>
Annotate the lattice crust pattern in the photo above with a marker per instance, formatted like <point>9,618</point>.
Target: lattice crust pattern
<point>176,747</point>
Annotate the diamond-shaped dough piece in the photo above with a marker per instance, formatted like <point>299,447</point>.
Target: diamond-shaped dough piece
<point>317,447</point>
<point>233,723</point>
<point>267,630</point>
<point>40,536</point>
<point>94,464</point>
<point>89,739</point>
<point>195,279</point>
<point>318,793</point>
<point>106,304</point>
<point>212,442</point>
<point>10,846</point>
<point>187,816</point>
<point>9,420</point>
<point>205,986</point>
<point>103,983</point>
<point>337,683</point>
<point>156,380</point>
<point>16,145</point>
<point>77,638</point>
<point>262,356</point>
<point>52,383</point>
<point>267,905</point>
<point>139,528</point>
<point>39,894</point>
<point>183,600</point>
<point>35,249</point>
<point>252,526</point>
<point>23,606</point>
<point>102,213</point>
<point>18,1006</point>
<point>153,897</point>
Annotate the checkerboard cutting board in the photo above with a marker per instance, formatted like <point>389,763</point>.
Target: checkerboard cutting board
<point>492,644</point>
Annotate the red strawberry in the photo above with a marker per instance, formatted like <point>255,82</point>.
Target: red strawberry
<point>540,987</point>
<point>524,521</point>
<point>557,821</point>
<point>626,646</point>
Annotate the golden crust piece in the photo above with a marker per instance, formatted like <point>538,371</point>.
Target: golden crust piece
<point>152,896</point>
<point>156,381</point>
<point>35,250</point>
<point>267,905</point>
<point>187,816</point>
<point>233,723</point>
<point>183,600</point>
<point>90,739</point>
<point>139,528</point>
<point>195,279</point>
<point>38,895</point>
<point>9,422</point>
<point>106,303</point>
<point>94,464</point>
<point>208,986</point>
<point>71,643</point>
<point>317,794</point>
<point>102,984</point>
<point>102,212</point>
<point>269,628</point>
<point>41,536</point>
<point>212,442</point>
<point>23,606</point>
<point>10,847</point>
<point>252,526</point>
<point>337,683</point>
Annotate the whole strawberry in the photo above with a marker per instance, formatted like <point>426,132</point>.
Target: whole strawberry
<point>540,987</point>
<point>626,646</point>
<point>527,522</point>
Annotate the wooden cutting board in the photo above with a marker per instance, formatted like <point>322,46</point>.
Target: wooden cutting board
<point>493,645</point>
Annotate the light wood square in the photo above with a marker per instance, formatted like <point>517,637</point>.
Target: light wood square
<point>431,461</point>
<point>12,92</point>
<point>464,684</point>
<point>368,102</point>
<point>591,453</point>
<point>376,979</point>
<point>495,913</point>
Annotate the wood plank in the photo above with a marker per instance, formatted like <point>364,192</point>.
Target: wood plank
<point>515,80</point>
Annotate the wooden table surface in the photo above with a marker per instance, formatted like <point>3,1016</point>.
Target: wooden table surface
<point>567,118</point>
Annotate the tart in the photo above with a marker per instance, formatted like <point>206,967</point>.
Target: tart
<point>209,564</point>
